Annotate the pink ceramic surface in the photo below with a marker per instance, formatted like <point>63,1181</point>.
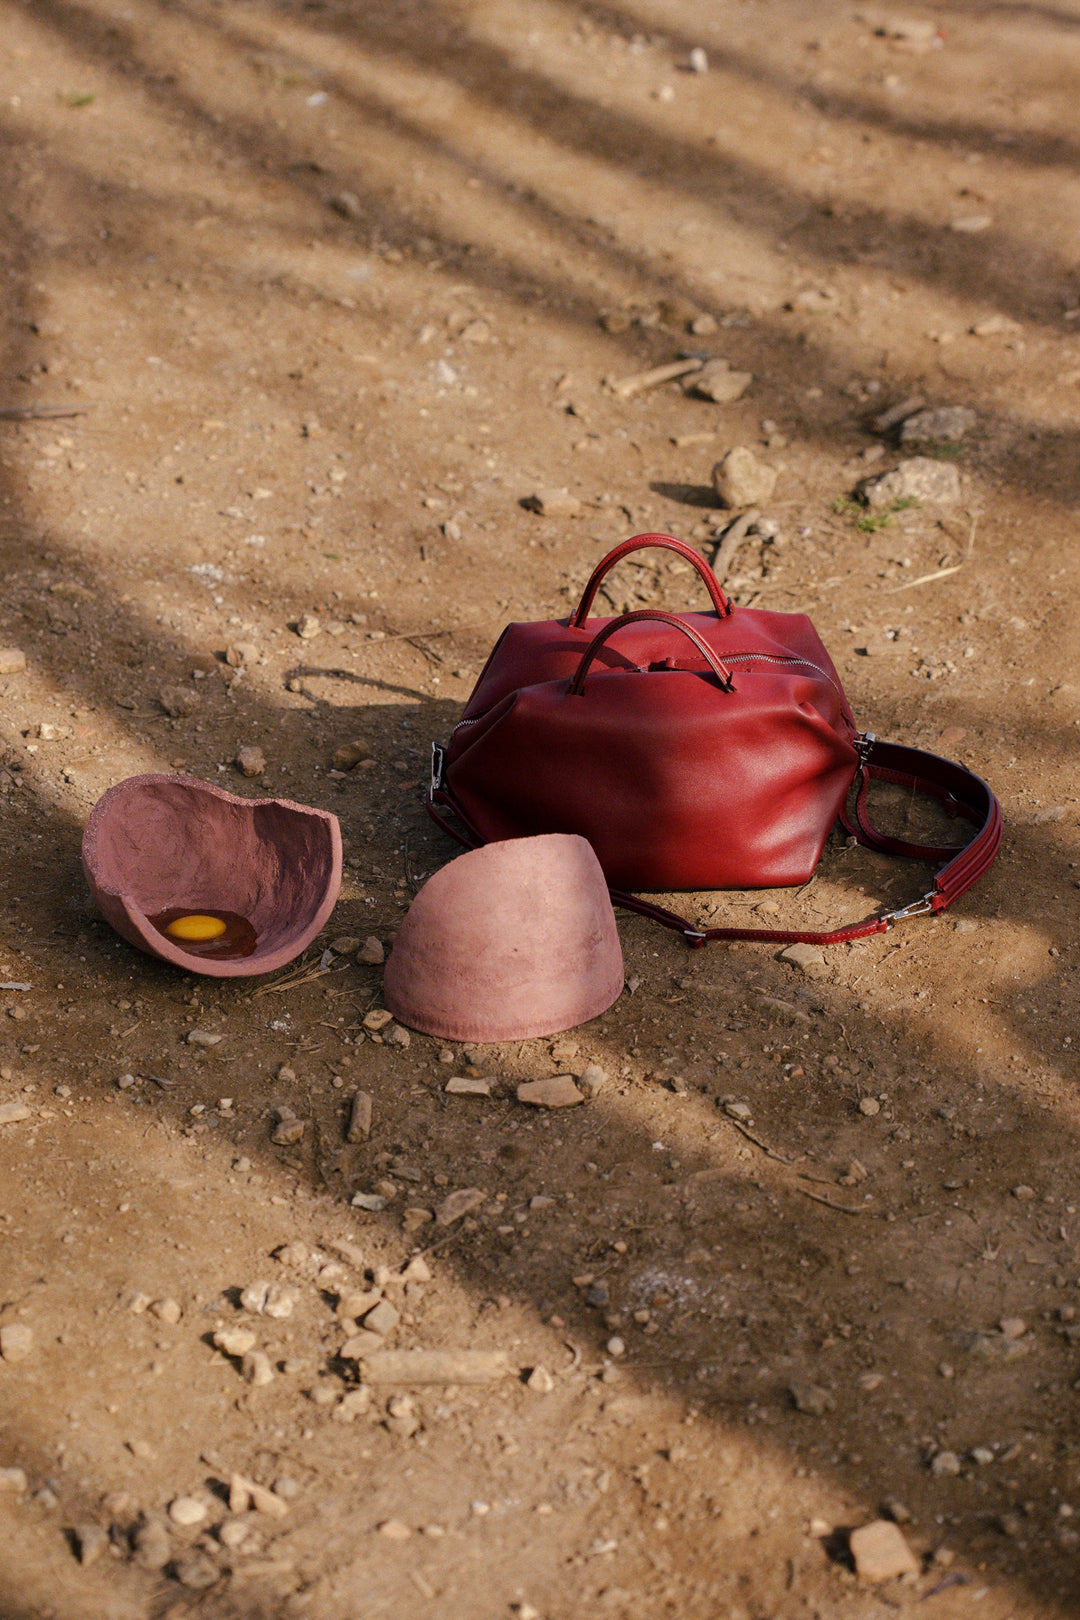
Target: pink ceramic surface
<point>154,842</point>
<point>510,941</point>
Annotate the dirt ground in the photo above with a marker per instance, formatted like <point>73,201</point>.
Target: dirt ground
<point>327,291</point>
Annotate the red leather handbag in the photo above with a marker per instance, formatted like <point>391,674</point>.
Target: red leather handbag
<point>697,751</point>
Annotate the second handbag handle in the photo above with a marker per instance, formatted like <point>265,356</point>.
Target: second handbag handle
<point>722,673</point>
<point>723,605</point>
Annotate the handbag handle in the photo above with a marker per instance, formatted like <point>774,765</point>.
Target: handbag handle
<point>722,673</point>
<point>723,605</point>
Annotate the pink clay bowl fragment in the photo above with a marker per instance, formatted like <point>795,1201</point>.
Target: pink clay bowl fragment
<point>508,942</point>
<point>157,843</point>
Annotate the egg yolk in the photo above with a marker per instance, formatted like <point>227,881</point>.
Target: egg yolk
<point>196,927</point>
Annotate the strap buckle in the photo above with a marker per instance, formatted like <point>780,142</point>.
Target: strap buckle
<point>438,762</point>
<point>864,745</point>
<point>917,908</point>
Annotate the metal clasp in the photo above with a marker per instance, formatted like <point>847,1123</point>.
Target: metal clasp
<point>438,762</point>
<point>864,745</point>
<point>917,908</point>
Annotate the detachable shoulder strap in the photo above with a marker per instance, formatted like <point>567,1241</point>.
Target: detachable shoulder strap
<point>959,790</point>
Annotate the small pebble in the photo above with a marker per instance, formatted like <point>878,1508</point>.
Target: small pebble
<point>393,1530</point>
<point>16,1341</point>
<point>811,1399</point>
<point>461,1086</point>
<point>558,1092</point>
<point>152,1546</point>
<point>234,1341</point>
<point>881,1553</point>
<point>359,1127</point>
<point>944,1464</point>
<point>91,1541</point>
<point>345,945</point>
<point>592,1080</point>
<point>12,660</point>
<point>288,1131</point>
<point>187,1510</point>
<point>699,62</point>
<point>178,701</point>
<point>869,1106</point>
<point>196,1572</point>
<point>167,1311</point>
<point>739,1110</point>
<point>308,626</point>
<point>12,1479</point>
<point>371,952</point>
<point>350,754</point>
<point>377,1019</point>
<point>741,480</point>
<point>540,1381</point>
<point>457,1204</point>
<point>202,1037</point>
<point>256,1369</point>
<point>11,1113</point>
<point>251,761</point>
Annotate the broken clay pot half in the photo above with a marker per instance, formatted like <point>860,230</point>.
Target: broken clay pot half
<point>511,941</point>
<point>212,882</point>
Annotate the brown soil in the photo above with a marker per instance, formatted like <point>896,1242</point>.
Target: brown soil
<point>338,286</point>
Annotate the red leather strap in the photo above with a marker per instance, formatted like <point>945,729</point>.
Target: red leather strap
<point>668,542</point>
<point>960,790</point>
<point>721,671</point>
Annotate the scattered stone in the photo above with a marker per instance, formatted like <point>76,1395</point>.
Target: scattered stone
<point>382,1319</point>
<point>371,1202</point>
<point>435,1366</point>
<point>740,479</point>
<point>704,325</point>
<point>402,1418</point>
<point>540,1381</point>
<point>616,1347</point>
<point>288,1131</point>
<point>934,483</point>
<point>992,326</point>
<point>457,1204</point>
<point>350,754</point>
<point>1012,1327</point>
<point>12,660</point>
<point>739,1110</point>
<point>377,1019</point>
<point>558,1092</point>
<point>552,503</point>
<point>947,425</point>
<point>196,1572</point>
<point>241,654</point>
<point>397,1035</point>
<point>187,1510</point>
<point>718,383</point>
<point>811,1399</point>
<point>461,1086</point>
<point>393,1530</point>
<point>347,204</point>
<point>152,1546</point>
<point>371,952</point>
<point>16,1341</point>
<point>944,1464</point>
<point>903,408</point>
<point>807,958</point>
<point>869,1107</point>
<point>202,1037</point>
<point>345,945</point>
<point>178,701</point>
<point>167,1311</point>
<point>361,1345</point>
<point>996,1347</point>
<point>256,1369</point>
<point>245,1494</point>
<point>12,1479</point>
<point>592,1081</point>
<point>813,301</point>
<point>91,1541</point>
<point>699,63</point>
<point>352,1405</point>
<point>251,761</point>
<point>359,1127</point>
<point>971,224</point>
<point>640,381</point>
<point>983,1455</point>
<point>11,1113</point>
<point>308,626</point>
<point>234,1341</point>
<point>1025,1194</point>
<point>881,1553</point>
